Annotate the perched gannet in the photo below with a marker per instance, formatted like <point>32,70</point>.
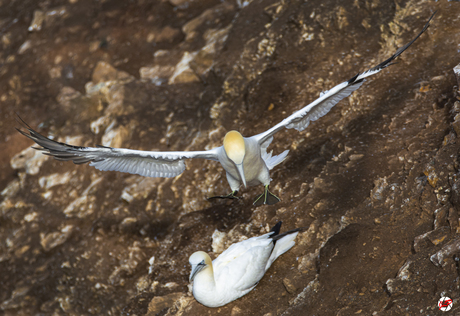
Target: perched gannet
<point>239,268</point>
<point>245,159</point>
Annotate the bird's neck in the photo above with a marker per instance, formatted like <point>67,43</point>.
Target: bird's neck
<point>205,280</point>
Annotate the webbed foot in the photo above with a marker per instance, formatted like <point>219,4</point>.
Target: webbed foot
<point>231,195</point>
<point>266,198</point>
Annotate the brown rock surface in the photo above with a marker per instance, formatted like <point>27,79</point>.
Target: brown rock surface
<point>376,180</point>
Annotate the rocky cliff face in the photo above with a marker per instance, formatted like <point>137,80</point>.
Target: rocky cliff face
<point>376,181</point>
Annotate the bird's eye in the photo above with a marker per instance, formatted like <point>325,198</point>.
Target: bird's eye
<point>202,263</point>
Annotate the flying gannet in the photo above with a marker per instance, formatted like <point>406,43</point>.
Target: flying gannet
<point>245,159</point>
<point>239,268</point>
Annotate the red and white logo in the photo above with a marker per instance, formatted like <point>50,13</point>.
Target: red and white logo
<point>445,304</point>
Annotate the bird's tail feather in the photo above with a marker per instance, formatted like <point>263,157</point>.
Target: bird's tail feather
<point>282,245</point>
<point>272,161</point>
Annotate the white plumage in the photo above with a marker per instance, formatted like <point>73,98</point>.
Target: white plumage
<point>245,159</point>
<point>239,268</point>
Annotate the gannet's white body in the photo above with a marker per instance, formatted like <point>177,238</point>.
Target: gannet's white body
<point>245,159</point>
<point>238,269</point>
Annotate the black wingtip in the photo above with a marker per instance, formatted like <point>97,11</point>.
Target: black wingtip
<point>29,133</point>
<point>300,229</point>
<point>431,17</point>
<point>24,133</point>
<point>352,80</point>
<point>388,62</point>
<point>102,146</point>
<point>21,121</point>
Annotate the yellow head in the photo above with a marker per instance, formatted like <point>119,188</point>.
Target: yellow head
<point>200,261</point>
<point>234,147</point>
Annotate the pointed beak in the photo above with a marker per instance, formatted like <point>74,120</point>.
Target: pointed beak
<point>239,167</point>
<point>195,269</point>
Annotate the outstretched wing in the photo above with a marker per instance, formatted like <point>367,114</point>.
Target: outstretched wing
<point>321,106</point>
<point>144,163</point>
